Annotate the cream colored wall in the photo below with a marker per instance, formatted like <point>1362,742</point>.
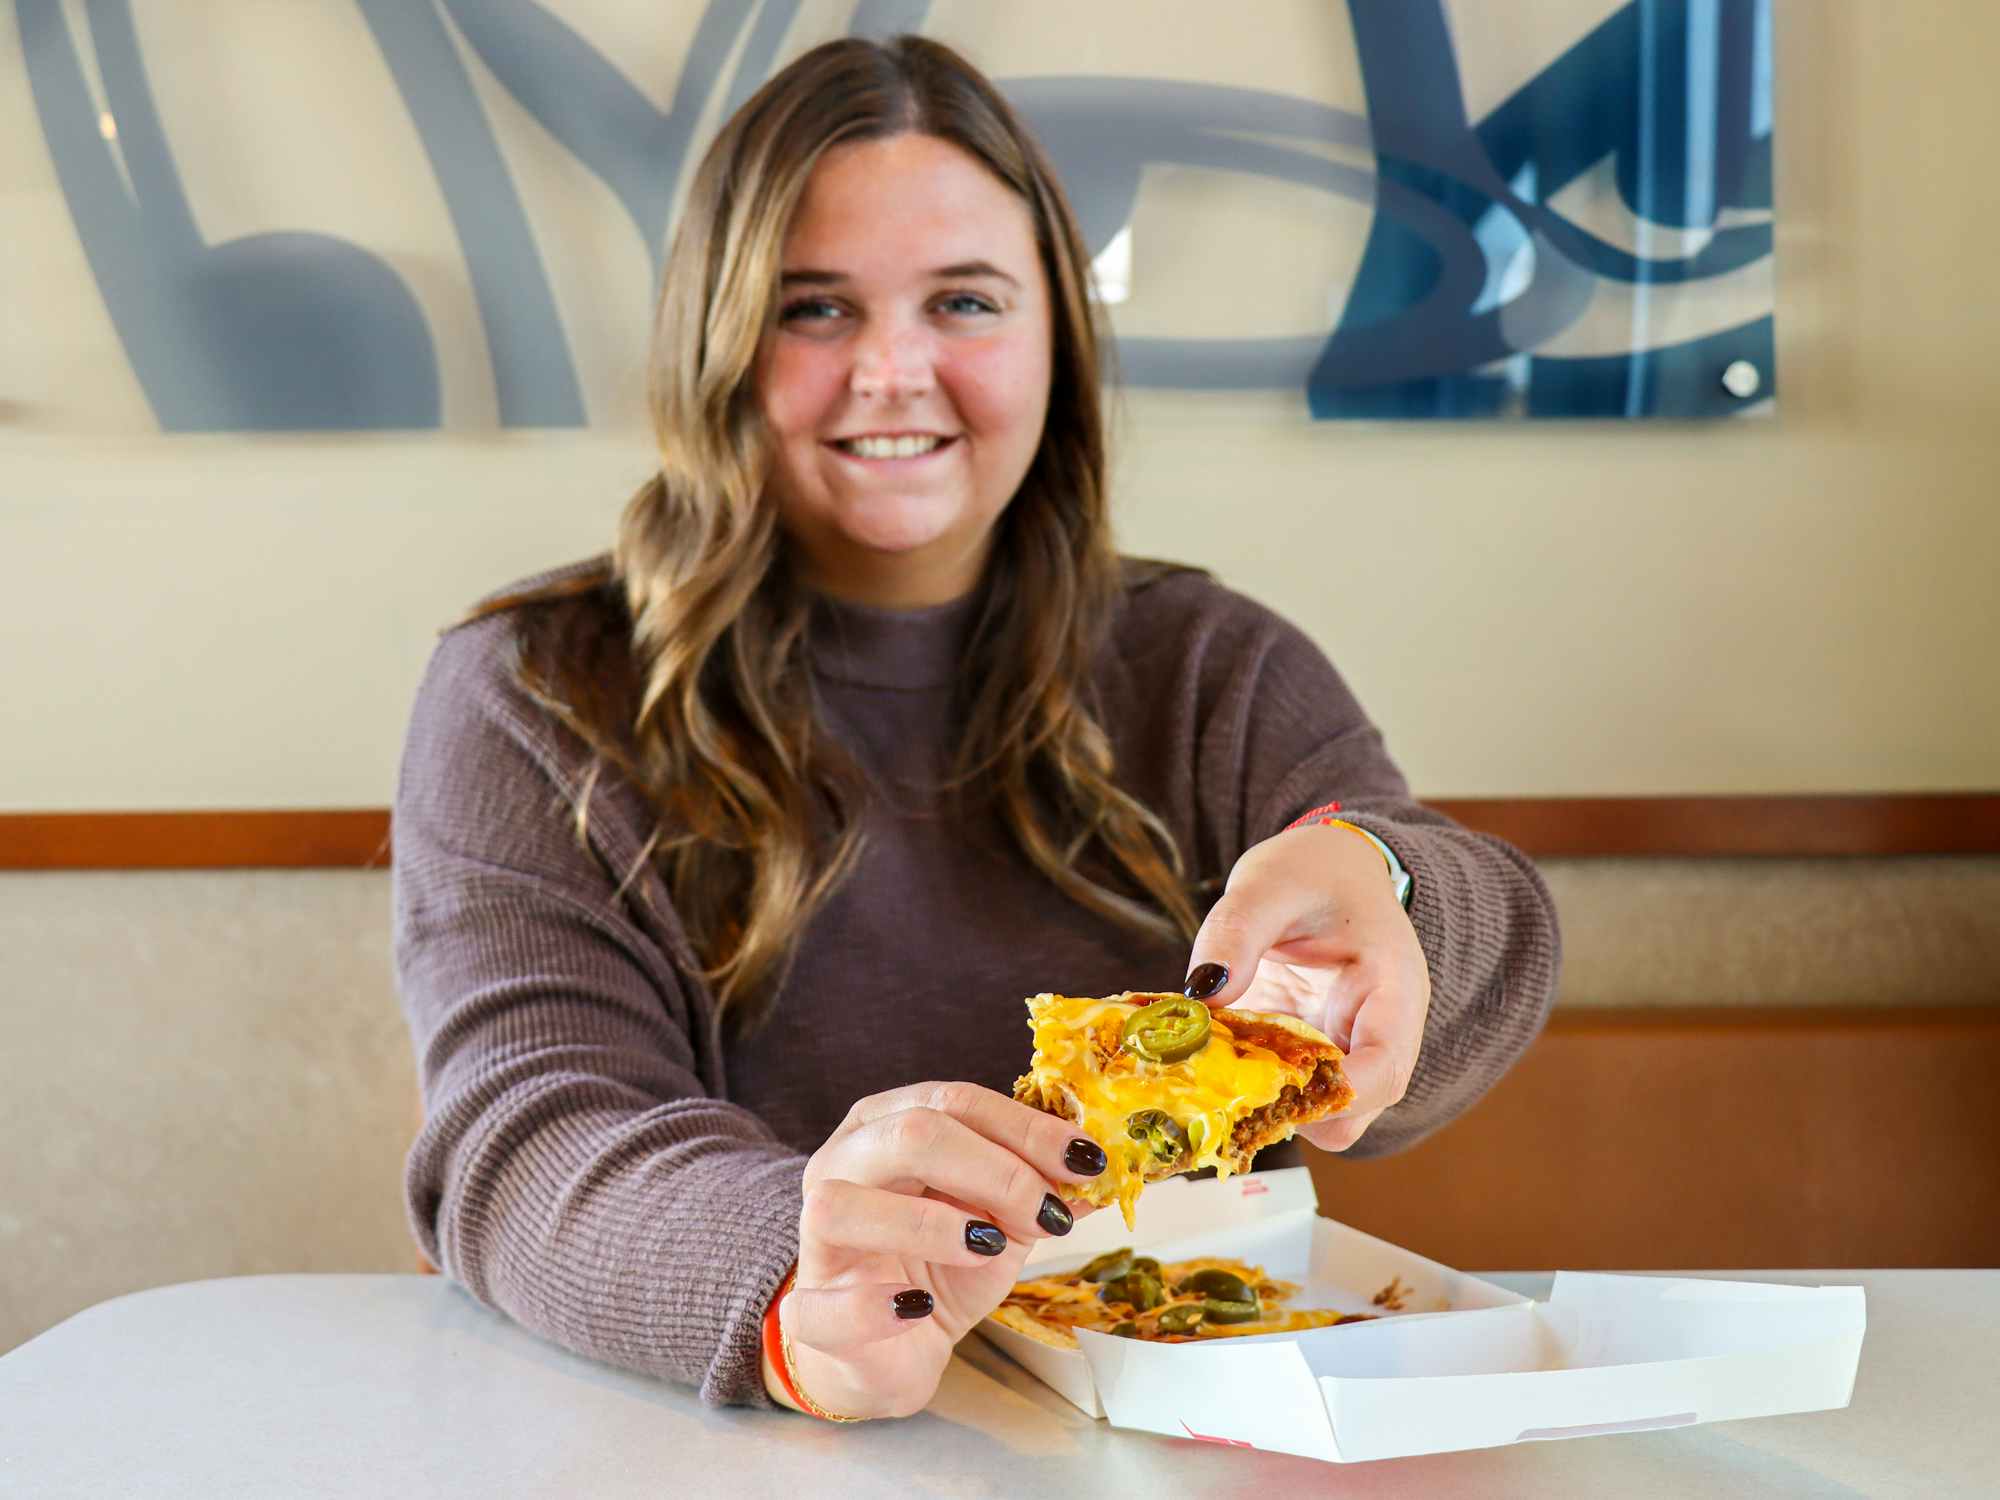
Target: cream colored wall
<point>1799,605</point>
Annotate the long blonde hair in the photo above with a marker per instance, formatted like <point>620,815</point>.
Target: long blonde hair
<point>685,667</point>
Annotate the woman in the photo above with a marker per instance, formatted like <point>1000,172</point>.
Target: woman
<point>723,864</point>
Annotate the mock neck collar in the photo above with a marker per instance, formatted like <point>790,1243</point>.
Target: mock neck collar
<point>871,646</point>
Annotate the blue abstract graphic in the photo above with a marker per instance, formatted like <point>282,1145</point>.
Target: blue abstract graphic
<point>1468,276</point>
<point>1668,87</point>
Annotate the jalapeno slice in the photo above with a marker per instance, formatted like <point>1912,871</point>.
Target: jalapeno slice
<point>1213,1281</point>
<point>1136,1289</point>
<point>1107,1267</point>
<point>1147,1264</point>
<point>1184,1318</point>
<point>1160,1133</point>
<point>1167,1031</point>
<point>1126,1330</point>
<point>1227,1310</point>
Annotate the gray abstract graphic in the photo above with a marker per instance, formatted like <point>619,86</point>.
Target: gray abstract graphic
<point>1467,275</point>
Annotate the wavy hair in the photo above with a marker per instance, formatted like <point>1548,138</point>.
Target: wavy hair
<point>686,671</point>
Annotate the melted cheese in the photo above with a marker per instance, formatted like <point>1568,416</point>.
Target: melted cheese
<point>1078,1057</point>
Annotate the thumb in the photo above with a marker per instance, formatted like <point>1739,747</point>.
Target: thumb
<point>838,1319</point>
<point>1251,918</point>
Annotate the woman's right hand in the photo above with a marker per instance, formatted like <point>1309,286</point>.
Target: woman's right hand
<point>918,1213</point>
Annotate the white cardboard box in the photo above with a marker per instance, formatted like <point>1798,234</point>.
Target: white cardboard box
<point>1467,1365</point>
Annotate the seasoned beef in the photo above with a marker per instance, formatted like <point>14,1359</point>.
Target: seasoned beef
<point>1325,1093</point>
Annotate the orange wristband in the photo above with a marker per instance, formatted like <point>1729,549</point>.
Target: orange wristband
<point>774,1345</point>
<point>778,1349</point>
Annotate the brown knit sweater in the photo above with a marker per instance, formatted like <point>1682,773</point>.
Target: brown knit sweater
<point>601,1161</point>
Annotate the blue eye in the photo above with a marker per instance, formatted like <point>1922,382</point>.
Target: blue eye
<point>807,307</point>
<point>961,304</point>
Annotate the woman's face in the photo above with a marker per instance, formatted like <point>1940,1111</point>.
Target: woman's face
<point>906,377</point>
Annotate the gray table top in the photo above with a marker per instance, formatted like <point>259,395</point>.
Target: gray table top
<point>379,1386</point>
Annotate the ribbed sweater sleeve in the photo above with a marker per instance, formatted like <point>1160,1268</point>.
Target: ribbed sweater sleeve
<point>572,1170</point>
<point>1283,734</point>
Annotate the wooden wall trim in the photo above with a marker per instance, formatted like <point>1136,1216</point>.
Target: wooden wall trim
<point>1710,827</point>
<point>1545,827</point>
<point>266,839</point>
<point>1766,1020</point>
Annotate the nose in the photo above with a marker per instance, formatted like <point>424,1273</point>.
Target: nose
<point>892,364</point>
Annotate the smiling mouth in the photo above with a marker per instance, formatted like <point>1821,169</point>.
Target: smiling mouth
<point>906,445</point>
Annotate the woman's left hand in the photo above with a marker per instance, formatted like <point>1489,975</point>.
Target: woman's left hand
<point>1309,925</point>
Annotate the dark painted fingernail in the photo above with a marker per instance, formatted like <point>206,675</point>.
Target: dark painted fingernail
<point>914,1304</point>
<point>1205,981</point>
<point>984,1238</point>
<point>1084,1157</point>
<point>1055,1216</point>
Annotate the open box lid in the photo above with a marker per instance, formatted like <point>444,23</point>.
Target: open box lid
<point>1605,1354</point>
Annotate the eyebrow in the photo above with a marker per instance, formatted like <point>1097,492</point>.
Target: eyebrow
<point>956,271</point>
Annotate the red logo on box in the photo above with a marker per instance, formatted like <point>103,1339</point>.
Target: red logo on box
<point>1202,1437</point>
<point>1252,1188</point>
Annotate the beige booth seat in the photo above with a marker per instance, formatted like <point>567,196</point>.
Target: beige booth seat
<point>203,1073</point>
<point>1755,1062</point>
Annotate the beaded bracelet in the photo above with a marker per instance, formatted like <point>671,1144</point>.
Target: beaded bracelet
<point>778,1349</point>
<point>1321,814</point>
